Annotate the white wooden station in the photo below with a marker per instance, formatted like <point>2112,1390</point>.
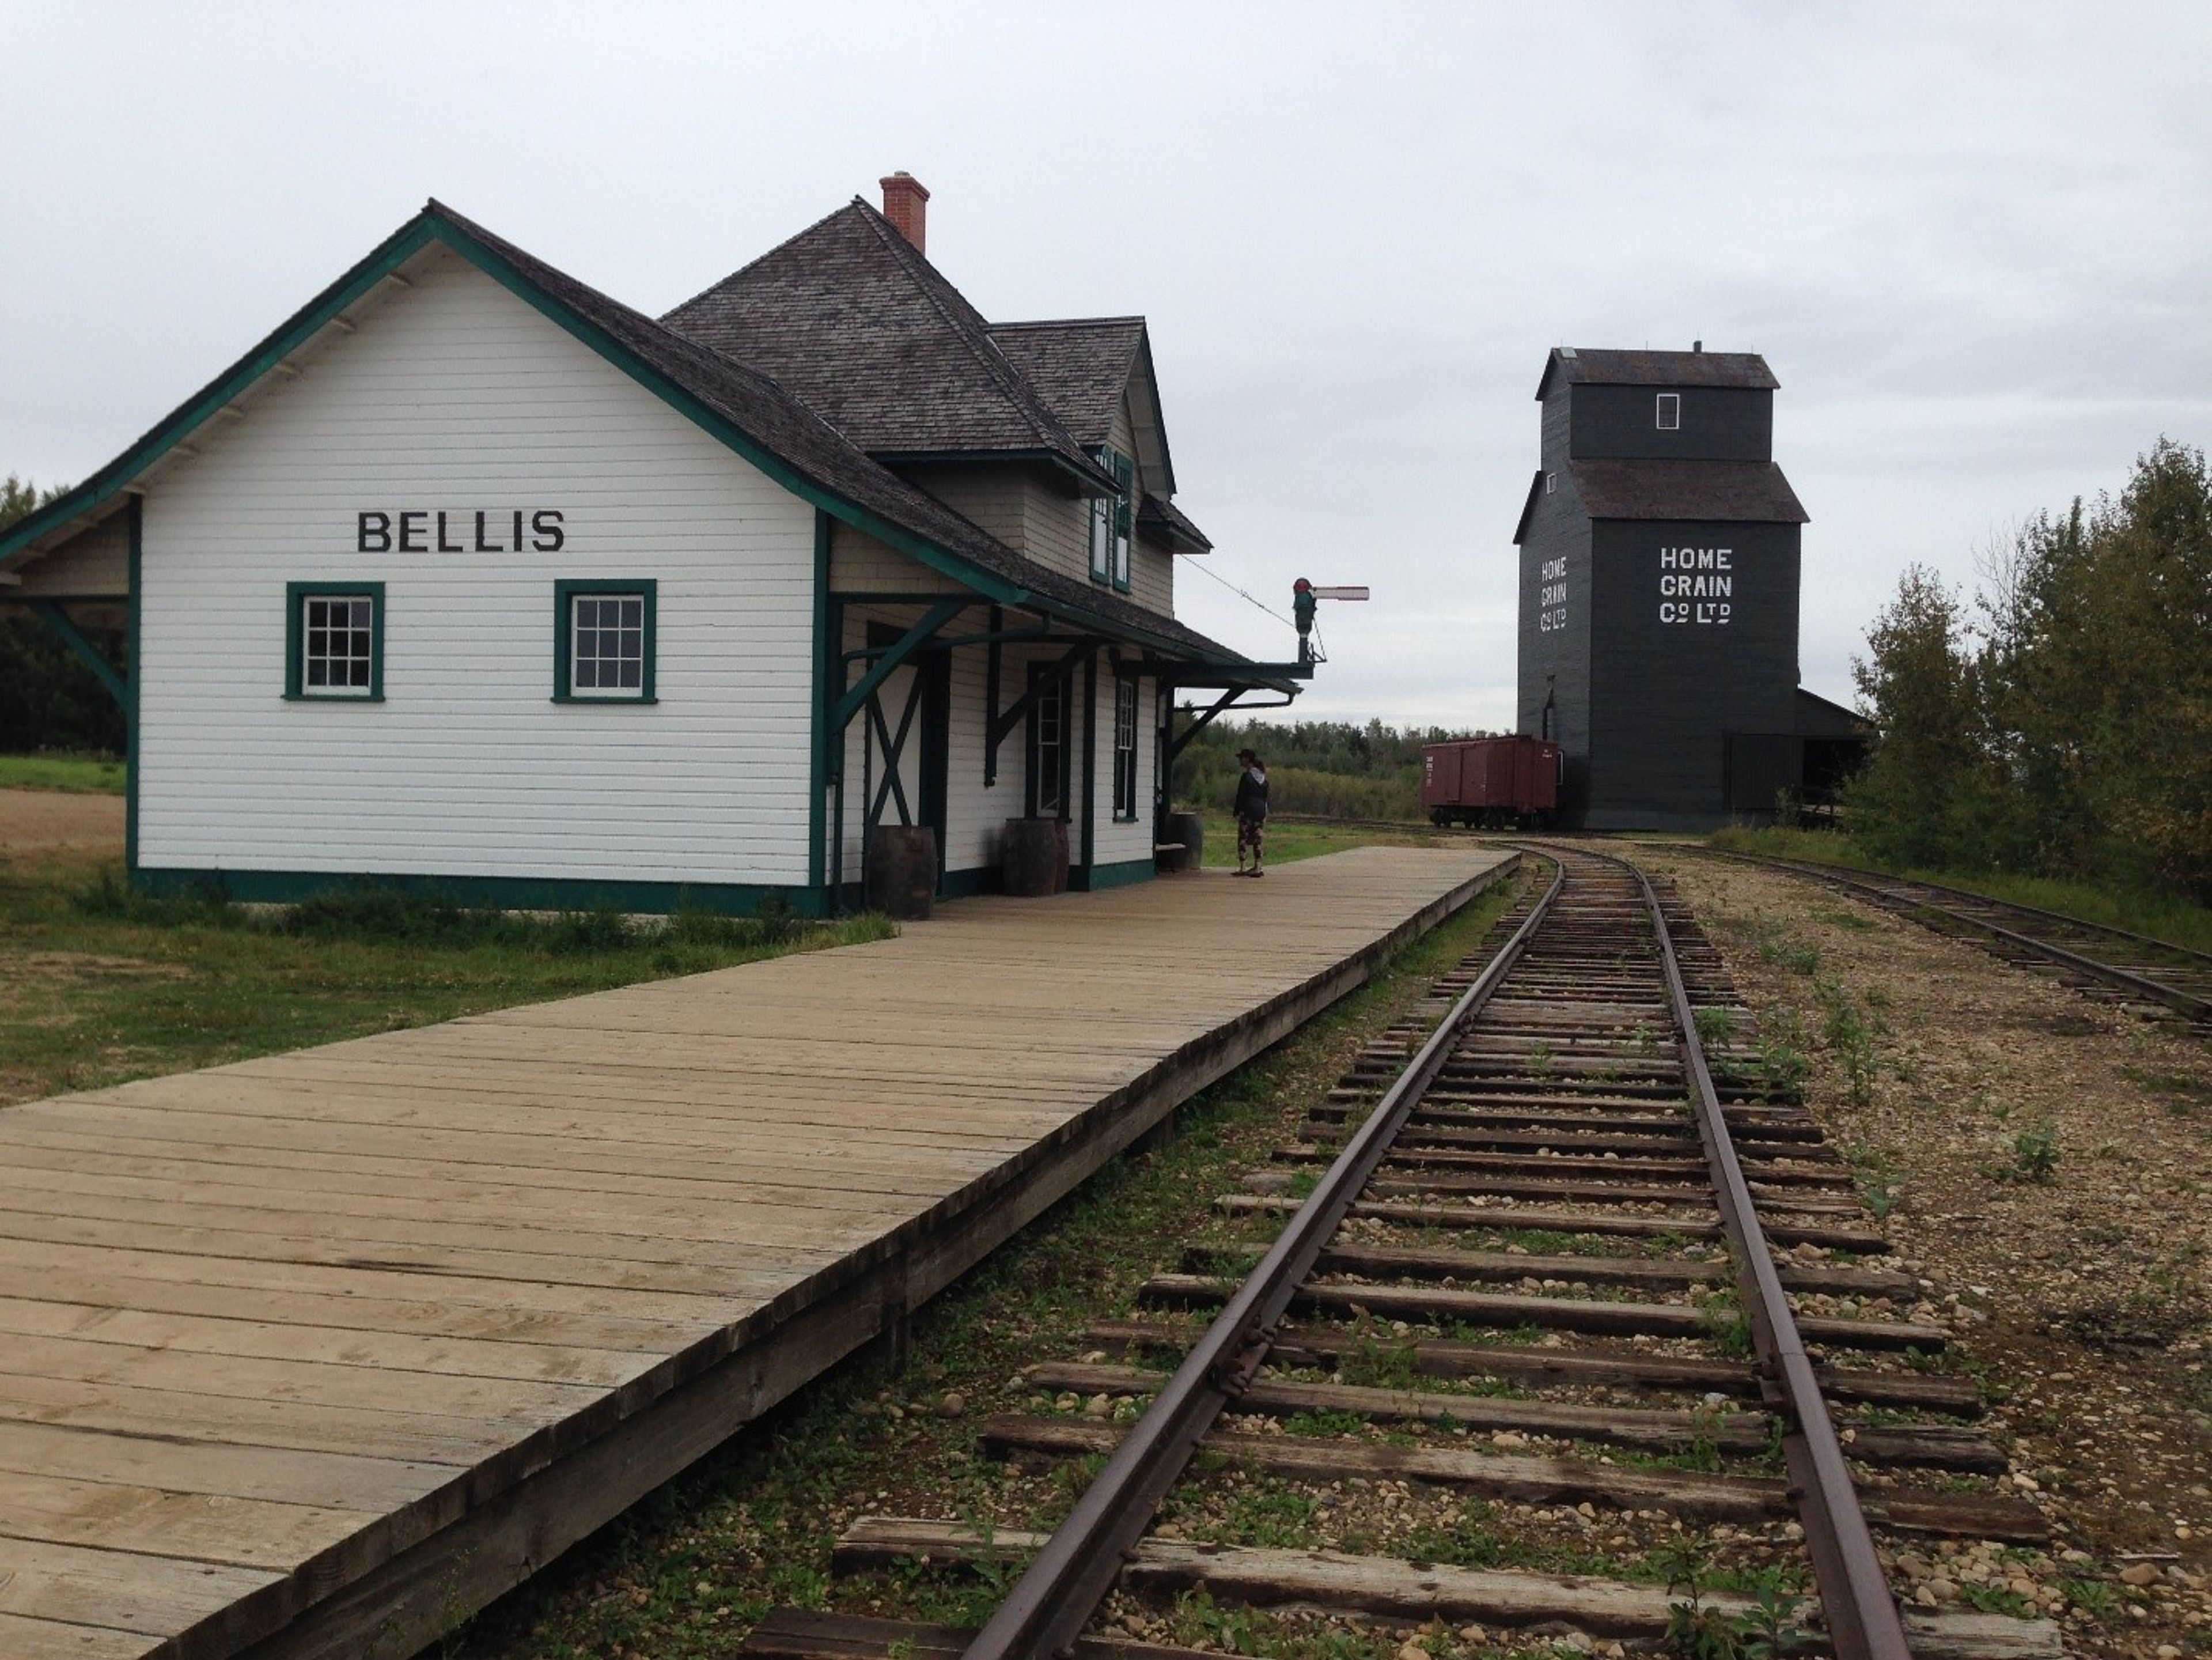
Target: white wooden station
<point>469,576</point>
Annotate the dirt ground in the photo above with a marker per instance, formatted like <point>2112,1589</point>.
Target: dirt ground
<point>2043,1158</point>
<point>39,823</point>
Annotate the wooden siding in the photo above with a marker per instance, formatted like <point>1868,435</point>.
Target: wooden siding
<point>316,1353</point>
<point>976,812</point>
<point>860,564</point>
<point>992,495</point>
<point>94,562</point>
<point>1719,423</point>
<point>1057,525</point>
<point>1664,696</point>
<point>1113,842</point>
<point>459,397</point>
<point>1558,530</point>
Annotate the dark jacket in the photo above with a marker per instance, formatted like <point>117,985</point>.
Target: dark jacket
<point>1252,794</point>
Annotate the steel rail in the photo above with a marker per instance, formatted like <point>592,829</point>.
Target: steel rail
<point>1863,1619</point>
<point>1063,1585</point>
<point>2182,1002</point>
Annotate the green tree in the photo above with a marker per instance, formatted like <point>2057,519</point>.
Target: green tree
<point>1919,801</point>
<point>2075,738</point>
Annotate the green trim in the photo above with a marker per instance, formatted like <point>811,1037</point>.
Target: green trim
<point>1093,878</point>
<point>564,593</point>
<point>967,884</point>
<point>283,887</point>
<point>51,613</point>
<point>295,689</point>
<point>850,703</point>
<point>825,655</point>
<point>136,526</point>
<point>1089,759</point>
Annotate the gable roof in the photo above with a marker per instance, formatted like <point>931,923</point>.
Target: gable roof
<point>849,316</point>
<point>1162,519</point>
<point>1582,367</point>
<point>1083,367</point>
<point>745,409</point>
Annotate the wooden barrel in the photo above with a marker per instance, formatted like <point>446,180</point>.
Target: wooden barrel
<point>901,878</point>
<point>1033,857</point>
<point>1189,830</point>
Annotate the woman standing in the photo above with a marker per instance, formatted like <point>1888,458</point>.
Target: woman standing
<point>1251,812</point>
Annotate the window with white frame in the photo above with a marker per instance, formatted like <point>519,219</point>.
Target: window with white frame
<point>1101,538</point>
<point>1670,411</point>
<point>604,644</point>
<point>337,653</point>
<point>1049,749</point>
<point>1125,750</point>
<point>334,640</point>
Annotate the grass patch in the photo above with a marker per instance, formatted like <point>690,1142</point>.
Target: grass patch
<point>2162,915</point>
<point>78,775</point>
<point>1290,843</point>
<point>99,985</point>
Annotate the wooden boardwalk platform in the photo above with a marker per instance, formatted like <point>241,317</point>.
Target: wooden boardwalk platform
<point>316,1355</point>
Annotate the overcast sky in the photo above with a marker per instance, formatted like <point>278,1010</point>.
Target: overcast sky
<point>1971,240</point>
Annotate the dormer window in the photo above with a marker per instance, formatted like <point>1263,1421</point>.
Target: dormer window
<point>1670,411</point>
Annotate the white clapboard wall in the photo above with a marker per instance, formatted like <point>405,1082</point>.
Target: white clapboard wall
<point>457,395</point>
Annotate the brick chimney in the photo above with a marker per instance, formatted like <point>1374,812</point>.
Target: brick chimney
<point>906,206</point>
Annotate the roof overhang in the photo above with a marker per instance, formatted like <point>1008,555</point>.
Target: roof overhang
<point>1084,481</point>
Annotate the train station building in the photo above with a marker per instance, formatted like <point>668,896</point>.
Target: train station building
<point>469,576</point>
<point>1660,558</point>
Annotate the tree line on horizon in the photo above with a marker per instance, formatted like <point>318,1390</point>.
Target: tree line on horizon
<point>2060,724</point>
<point>1322,769</point>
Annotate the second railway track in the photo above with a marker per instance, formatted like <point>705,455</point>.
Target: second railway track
<point>2154,976</point>
<point>1571,1254</point>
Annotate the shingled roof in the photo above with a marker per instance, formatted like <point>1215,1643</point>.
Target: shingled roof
<point>851,317</point>
<point>1080,365</point>
<point>1749,492</point>
<point>1159,518</point>
<point>1580,366</point>
<point>1690,492</point>
<point>707,386</point>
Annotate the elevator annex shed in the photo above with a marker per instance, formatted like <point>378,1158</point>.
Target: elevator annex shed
<point>1660,550</point>
<point>471,577</point>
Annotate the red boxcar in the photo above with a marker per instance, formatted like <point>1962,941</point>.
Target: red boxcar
<point>1497,783</point>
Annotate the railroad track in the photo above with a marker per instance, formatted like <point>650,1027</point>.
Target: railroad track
<point>1571,1258</point>
<point>2133,969</point>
